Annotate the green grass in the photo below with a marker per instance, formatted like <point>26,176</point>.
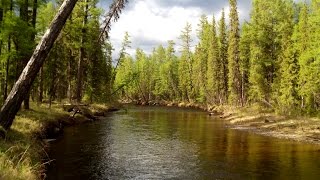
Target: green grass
<point>21,151</point>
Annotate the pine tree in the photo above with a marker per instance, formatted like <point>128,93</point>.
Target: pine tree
<point>309,59</point>
<point>244,47</point>
<point>289,69</point>
<point>234,77</point>
<point>301,42</point>
<point>259,85</point>
<point>201,58</point>
<point>223,56</point>
<point>160,75</point>
<point>214,75</point>
<point>186,65</point>
<point>270,28</point>
<point>173,78</point>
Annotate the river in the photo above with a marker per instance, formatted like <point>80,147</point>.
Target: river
<point>175,143</point>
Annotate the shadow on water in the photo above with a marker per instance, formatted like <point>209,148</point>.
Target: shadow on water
<point>174,143</point>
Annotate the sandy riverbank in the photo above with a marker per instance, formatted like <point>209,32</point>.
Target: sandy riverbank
<point>260,120</point>
<point>266,122</point>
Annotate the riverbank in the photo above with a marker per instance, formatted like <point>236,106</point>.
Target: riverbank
<point>24,148</point>
<point>259,120</point>
<point>266,122</point>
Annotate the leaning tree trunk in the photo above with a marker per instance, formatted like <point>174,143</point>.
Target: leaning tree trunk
<point>23,85</point>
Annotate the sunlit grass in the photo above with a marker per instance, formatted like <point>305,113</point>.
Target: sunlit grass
<point>267,121</point>
<point>21,151</point>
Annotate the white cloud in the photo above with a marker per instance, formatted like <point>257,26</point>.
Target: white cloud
<point>153,22</point>
<point>147,21</point>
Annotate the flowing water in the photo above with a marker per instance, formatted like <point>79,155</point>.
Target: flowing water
<point>174,143</point>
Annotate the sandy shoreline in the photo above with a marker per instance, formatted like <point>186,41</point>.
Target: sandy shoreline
<point>301,129</point>
<point>258,120</point>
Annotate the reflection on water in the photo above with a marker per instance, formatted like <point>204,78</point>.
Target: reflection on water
<point>173,143</point>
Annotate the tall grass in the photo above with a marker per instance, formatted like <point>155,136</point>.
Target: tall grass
<point>21,151</point>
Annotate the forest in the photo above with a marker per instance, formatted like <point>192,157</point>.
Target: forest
<point>77,65</point>
<point>51,57</point>
<point>271,59</point>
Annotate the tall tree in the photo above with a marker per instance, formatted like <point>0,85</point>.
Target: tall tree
<point>244,47</point>
<point>122,54</point>
<point>289,69</point>
<point>24,83</point>
<point>223,56</point>
<point>234,76</point>
<point>173,77</point>
<point>301,41</point>
<point>269,24</point>
<point>309,60</point>
<point>214,75</point>
<point>186,65</point>
<point>82,52</point>
<point>201,58</point>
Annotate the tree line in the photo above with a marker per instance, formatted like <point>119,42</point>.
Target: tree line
<point>79,65</point>
<point>272,59</point>
<point>86,43</point>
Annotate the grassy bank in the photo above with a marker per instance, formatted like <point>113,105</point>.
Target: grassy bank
<point>23,150</point>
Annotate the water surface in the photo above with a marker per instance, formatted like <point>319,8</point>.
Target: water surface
<point>175,143</point>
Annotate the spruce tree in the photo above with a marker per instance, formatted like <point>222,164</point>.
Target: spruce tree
<point>223,57</point>
<point>234,77</point>
<point>301,41</point>
<point>186,65</point>
<point>269,28</point>
<point>310,61</point>
<point>244,47</point>
<point>173,76</point>
<point>289,69</point>
<point>214,75</point>
<point>201,58</point>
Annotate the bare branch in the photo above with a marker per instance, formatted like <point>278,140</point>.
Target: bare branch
<point>114,13</point>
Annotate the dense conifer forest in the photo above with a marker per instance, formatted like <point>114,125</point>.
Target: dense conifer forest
<point>79,65</point>
<point>271,59</point>
<point>252,71</point>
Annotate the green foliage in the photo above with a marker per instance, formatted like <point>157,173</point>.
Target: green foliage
<point>308,47</point>
<point>244,47</point>
<point>273,59</point>
<point>234,77</point>
<point>201,60</point>
<point>186,63</point>
<point>271,25</point>
<point>21,152</point>
<point>223,57</point>
<point>214,75</point>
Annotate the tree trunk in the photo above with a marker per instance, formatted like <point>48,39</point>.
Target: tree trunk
<point>69,74</point>
<point>1,44</point>
<point>82,53</point>
<point>24,16</point>
<point>24,83</point>
<point>40,86</point>
<point>33,36</point>
<point>8,61</point>
<point>7,70</point>
<point>1,18</point>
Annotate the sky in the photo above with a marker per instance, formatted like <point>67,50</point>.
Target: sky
<point>153,22</point>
